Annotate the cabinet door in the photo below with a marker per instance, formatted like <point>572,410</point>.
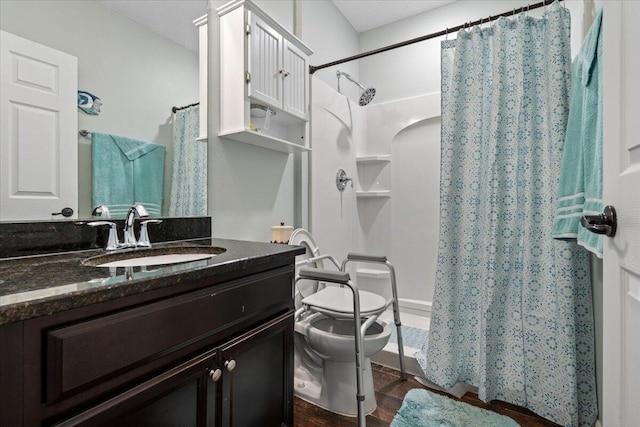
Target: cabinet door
<point>265,63</point>
<point>182,396</point>
<point>257,379</point>
<point>295,80</point>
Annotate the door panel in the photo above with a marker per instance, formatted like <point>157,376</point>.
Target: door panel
<point>621,260</point>
<point>38,130</point>
<point>258,389</point>
<point>265,63</point>
<point>295,81</point>
<point>183,395</point>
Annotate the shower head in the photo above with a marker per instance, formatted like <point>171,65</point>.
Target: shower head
<point>367,93</point>
<point>366,96</point>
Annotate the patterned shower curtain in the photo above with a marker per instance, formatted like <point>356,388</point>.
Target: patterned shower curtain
<point>189,173</point>
<point>512,310</point>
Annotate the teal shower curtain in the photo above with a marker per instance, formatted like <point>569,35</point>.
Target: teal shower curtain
<point>512,310</point>
<point>189,174</point>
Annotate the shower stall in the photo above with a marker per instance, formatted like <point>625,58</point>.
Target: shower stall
<point>391,150</point>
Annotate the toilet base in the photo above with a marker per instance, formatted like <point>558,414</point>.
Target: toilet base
<point>336,391</point>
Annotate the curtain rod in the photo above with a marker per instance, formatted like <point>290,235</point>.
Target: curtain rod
<point>313,69</point>
<point>174,109</point>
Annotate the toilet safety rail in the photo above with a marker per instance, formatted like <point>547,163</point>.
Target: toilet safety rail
<point>342,278</point>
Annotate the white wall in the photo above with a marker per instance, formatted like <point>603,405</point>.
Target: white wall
<point>138,74</point>
<point>331,37</point>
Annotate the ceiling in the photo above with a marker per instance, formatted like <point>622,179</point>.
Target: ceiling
<point>174,18</point>
<point>365,15</point>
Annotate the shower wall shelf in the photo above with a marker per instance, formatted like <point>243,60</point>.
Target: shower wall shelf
<point>380,158</point>
<point>264,66</point>
<point>373,194</point>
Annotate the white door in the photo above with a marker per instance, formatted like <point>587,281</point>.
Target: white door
<point>621,288</point>
<point>265,63</point>
<point>295,81</point>
<point>38,130</point>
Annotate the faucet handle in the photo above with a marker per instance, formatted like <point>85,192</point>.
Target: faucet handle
<point>113,242</point>
<point>144,241</point>
<point>102,211</point>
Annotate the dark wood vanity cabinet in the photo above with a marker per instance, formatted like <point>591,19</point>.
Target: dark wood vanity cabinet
<point>216,356</point>
<point>242,383</point>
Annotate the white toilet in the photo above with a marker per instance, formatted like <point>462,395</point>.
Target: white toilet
<point>325,367</point>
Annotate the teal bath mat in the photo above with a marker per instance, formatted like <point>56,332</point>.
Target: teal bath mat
<point>421,408</point>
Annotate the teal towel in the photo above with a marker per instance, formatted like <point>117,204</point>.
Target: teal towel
<point>126,171</point>
<point>580,187</point>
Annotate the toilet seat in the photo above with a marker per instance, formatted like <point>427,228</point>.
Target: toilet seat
<point>336,300</point>
<point>339,301</point>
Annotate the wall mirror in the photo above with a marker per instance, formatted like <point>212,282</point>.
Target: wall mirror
<point>138,74</point>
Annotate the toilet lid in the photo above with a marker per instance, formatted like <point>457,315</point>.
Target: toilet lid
<point>340,300</point>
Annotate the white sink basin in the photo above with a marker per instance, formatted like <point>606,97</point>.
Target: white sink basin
<point>155,260</point>
<point>156,256</point>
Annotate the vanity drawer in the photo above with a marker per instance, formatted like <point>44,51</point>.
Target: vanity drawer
<point>85,354</point>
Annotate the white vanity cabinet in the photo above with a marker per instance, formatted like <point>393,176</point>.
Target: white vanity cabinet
<point>264,80</point>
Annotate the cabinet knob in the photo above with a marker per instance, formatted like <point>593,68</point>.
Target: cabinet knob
<point>230,365</point>
<point>215,374</point>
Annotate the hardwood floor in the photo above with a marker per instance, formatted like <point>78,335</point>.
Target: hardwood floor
<point>389,394</point>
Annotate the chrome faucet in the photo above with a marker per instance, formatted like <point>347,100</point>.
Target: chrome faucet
<point>129,234</point>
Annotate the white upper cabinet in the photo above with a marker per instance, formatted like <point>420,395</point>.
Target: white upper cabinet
<point>264,80</point>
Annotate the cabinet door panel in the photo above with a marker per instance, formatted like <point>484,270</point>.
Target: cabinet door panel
<point>295,81</point>
<point>265,63</point>
<point>259,390</point>
<point>175,397</point>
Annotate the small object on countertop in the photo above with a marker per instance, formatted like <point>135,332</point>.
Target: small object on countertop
<point>281,233</point>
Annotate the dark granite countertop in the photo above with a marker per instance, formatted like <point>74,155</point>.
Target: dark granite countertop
<point>35,286</point>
